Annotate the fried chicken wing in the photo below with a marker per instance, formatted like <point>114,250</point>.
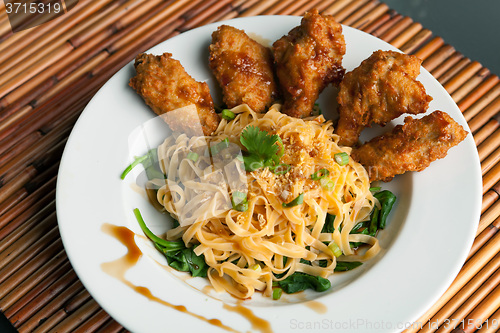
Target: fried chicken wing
<point>409,147</point>
<point>243,68</point>
<point>307,60</point>
<point>165,86</point>
<point>381,88</point>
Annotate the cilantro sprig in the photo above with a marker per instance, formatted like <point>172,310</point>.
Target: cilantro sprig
<point>263,149</point>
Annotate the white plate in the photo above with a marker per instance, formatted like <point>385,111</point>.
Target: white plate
<point>427,239</point>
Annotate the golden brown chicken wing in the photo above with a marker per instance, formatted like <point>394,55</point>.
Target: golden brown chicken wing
<point>382,88</point>
<point>165,86</point>
<point>409,147</point>
<point>243,68</point>
<point>307,60</point>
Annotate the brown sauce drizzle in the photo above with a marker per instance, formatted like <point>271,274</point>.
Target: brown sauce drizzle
<point>256,322</point>
<point>316,306</point>
<point>117,269</point>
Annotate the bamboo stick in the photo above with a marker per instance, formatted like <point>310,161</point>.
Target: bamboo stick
<point>145,8</point>
<point>360,12</point>
<point>486,308</point>
<point>478,92</point>
<point>257,8</point>
<point>460,65</point>
<point>8,205</point>
<point>53,309</point>
<point>488,217</point>
<point>448,65</point>
<point>93,323</point>
<point>110,327</point>
<point>471,268</point>
<point>402,38</point>
<point>299,9</point>
<point>374,16</point>
<point>489,162</point>
<point>34,283</point>
<point>35,299</point>
<point>394,30</point>
<point>163,15</point>
<point>470,84</point>
<point>17,183</point>
<point>488,145</point>
<point>16,150</point>
<point>463,294</point>
<point>74,303</point>
<point>485,131</point>
<point>74,319</point>
<point>24,224</point>
<point>20,209</point>
<point>467,305</point>
<point>44,47</point>
<point>480,104</point>
<point>52,251</point>
<point>416,41</point>
<point>37,243</point>
<point>342,14</point>
<point>491,178</point>
<point>483,117</point>
<point>388,25</point>
<point>103,25</point>
<point>492,324</point>
<point>429,48</point>
<point>203,17</point>
<point>278,8</point>
<point>376,24</point>
<point>463,76</point>
<point>484,236</point>
<point>488,199</point>
<point>336,7</point>
<point>437,57</point>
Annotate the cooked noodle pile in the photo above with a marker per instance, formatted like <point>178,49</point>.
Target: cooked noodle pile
<point>245,250</point>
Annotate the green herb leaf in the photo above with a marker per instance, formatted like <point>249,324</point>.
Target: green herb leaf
<point>343,266</point>
<point>387,200</point>
<point>299,281</point>
<point>297,201</point>
<point>262,149</point>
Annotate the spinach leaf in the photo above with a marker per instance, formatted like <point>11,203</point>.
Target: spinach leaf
<point>328,226</point>
<point>186,260</point>
<point>387,200</point>
<point>343,266</point>
<point>299,281</point>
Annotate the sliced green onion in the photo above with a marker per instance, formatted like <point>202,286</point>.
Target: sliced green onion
<point>297,201</point>
<point>335,249</point>
<point>137,161</point>
<point>227,114</point>
<point>327,184</point>
<point>256,268</point>
<point>341,158</point>
<point>375,189</point>
<point>192,156</point>
<point>280,169</point>
<point>320,174</point>
<point>239,201</point>
<point>277,292</point>
<point>177,245</point>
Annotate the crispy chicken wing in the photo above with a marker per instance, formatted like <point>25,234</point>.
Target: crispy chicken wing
<point>409,147</point>
<point>382,88</point>
<point>165,86</point>
<point>307,60</point>
<point>243,68</point>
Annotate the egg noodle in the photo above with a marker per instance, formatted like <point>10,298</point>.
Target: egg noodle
<point>248,250</point>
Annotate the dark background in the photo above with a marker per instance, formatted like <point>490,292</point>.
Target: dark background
<point>471,26</point>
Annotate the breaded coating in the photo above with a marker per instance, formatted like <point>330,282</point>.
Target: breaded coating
<point>307,60</point>
<point>381,88</point>
<point>409,147</point>
<point>243,68</point>
<point>165,86</point>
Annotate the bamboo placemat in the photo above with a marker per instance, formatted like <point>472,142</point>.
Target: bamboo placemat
<point>50,72</point>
